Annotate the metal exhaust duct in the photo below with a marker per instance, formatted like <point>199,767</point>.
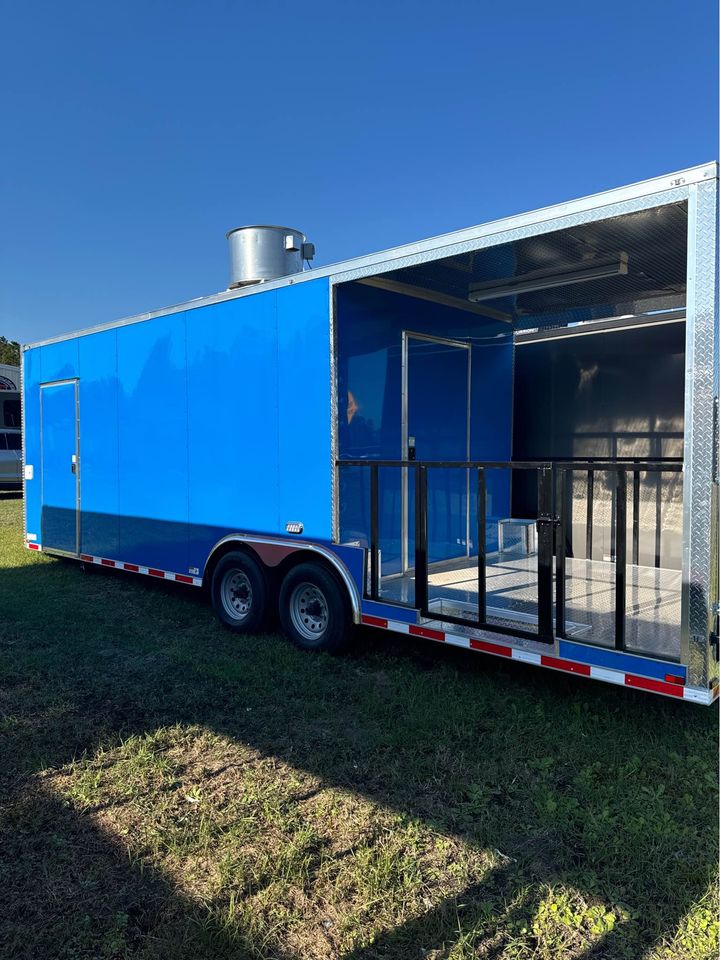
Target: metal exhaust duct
<point>261,253</point>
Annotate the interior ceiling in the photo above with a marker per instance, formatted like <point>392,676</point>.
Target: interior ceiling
<point>655,242</point>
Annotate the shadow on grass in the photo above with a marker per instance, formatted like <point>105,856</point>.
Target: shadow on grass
<point>536,765</point>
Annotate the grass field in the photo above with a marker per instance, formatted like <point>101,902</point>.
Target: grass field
<point>171,791</point>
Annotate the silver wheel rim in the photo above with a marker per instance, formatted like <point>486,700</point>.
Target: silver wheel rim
<point>309,611</point>
<point>236,594</point>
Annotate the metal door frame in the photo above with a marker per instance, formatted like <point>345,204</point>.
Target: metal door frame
<point>408,335</point>
<point>60,383</point>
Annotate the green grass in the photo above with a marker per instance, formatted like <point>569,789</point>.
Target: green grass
<point>172,791</point>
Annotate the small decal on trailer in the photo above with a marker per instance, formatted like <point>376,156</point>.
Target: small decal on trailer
<point>28,471</point>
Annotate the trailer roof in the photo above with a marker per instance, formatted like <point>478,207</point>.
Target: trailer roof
<point>408,256</point>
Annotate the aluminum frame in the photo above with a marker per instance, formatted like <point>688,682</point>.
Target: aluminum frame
<point>700,451</point>
<point>404,430</point>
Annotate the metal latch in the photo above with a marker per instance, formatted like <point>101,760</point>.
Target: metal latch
<point>73,463</point>
<point>544,521</point>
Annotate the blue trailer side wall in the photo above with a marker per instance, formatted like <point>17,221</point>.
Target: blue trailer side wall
<point>100,490</point>
<point>196,425</point>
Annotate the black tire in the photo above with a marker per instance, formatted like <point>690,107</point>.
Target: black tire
<point>239,592</point>
<point>314,609</point>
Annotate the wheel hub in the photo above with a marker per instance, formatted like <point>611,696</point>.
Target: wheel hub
<point>309,610</point>
<point>236,593</point>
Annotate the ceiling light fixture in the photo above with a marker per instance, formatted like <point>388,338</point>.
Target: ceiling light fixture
<point>545,279</point>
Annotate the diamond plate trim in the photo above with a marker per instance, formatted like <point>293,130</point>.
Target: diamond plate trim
<point>700,390</point>
<point>519,233</point>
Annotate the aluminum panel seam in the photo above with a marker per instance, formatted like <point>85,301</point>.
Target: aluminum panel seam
<point>439,246</point>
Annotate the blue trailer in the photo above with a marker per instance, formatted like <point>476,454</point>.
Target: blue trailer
<point>503,439</point>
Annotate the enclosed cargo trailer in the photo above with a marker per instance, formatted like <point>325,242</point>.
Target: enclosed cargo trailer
<point>503,439</point>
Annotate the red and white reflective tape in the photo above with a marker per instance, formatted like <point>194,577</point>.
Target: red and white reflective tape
<point>138,568</point>
<point>671,687</point>
<point>132,567</point>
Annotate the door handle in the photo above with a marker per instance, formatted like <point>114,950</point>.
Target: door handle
<point>73,467</point>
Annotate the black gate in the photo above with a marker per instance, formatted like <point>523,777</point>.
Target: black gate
<point>554,526</point>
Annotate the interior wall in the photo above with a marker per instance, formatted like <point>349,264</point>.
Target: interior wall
<point>370,322</point>
<point>605,395</point>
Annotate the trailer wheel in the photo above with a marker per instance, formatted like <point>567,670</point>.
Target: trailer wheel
<point>314,611</point>
<point>239,592</point>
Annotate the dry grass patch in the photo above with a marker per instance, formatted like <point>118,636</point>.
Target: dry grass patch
<point>168,790</point>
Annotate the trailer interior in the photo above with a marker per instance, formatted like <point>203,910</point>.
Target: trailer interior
<point>510,433</point>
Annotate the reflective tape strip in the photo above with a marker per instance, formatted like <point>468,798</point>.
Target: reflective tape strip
<point>374,621</point>
<point>426,632</point>
<point>570,666</point>
<point>146,571</point>
<point>657,686</point>
<point>498,649</point>
<point>33,546</point>
<point>671,688</point>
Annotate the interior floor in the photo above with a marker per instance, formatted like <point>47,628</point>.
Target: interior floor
<point>653,598</point>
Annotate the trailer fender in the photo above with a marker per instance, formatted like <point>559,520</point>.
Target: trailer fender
<point>272,552</point>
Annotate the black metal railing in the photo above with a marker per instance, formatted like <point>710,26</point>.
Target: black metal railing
<point>554,525</point>
<point>618,470</point>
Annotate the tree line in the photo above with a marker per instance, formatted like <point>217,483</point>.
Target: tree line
<point>9,352</point>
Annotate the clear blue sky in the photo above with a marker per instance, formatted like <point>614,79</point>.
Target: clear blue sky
<point>134,134</point>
